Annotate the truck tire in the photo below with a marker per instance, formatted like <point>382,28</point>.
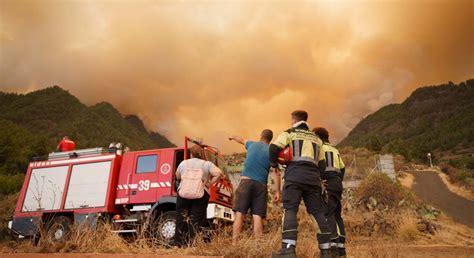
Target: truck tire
<point>58,229</point>
<point>163,228</point>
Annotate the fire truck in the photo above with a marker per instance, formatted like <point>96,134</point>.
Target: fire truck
<point>132,190</point>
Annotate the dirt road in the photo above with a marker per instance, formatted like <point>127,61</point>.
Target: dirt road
<point>429,187</point>
<point>97,255</point>
<point>357,251</point>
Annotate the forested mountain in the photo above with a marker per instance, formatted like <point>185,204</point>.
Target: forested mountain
<point>437,119</point>
<point>32,124</point>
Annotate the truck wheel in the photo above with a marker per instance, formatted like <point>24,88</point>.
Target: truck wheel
<point>165,227</point>
<point>58,229</point>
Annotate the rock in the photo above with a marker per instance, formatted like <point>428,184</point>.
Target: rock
<point>422,227</point>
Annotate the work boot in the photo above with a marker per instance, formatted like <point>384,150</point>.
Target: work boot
<point>334,252</point>
<point>289,252</point>
<point>342,252</point>
<point>325,253</point>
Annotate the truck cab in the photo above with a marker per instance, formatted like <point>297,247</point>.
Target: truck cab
<point>147,184</point>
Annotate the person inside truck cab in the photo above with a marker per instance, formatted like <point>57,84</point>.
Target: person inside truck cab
<point>65,144</point>
<point>189,201</point>
<point>252,191</point>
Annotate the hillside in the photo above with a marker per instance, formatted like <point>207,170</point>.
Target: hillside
<point>32,124</point>
<point>437,119</point>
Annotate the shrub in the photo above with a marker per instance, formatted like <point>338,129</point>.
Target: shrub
<point>461,176</point>
<point>408,229</point>
<point>10,183</point>
<point>380,187</point>
<point>445,168</point>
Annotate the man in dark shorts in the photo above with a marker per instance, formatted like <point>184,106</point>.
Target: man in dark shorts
<point>252,191</point>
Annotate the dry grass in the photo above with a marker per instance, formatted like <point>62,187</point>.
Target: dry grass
<point>407,230</point>
<point>101,240</point>
<point>406,180</point>
<point>375,250</point>
<point>380,187</point>
<point>457,189</point>
<point>452,233</point>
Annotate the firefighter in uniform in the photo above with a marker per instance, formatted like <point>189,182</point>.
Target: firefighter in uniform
<point>302,181</point>
<point>65,144</point>
<point>333,175</point>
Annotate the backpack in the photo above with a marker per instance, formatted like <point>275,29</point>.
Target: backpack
<point>192,185</point>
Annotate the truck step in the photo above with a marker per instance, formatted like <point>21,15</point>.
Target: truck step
<point>124,231</point>
<point>125,220</point>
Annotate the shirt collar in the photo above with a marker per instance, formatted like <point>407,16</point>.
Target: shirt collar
<point>300,123</point>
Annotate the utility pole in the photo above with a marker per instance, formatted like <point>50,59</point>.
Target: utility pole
<point>429,158</point>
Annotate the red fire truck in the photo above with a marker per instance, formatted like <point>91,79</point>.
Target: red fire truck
<point>133,191</point>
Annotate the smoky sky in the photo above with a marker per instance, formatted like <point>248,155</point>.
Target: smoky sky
<point>213,69</point>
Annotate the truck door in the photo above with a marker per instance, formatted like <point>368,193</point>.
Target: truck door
<point>143,174</point>
<point>151,176</point>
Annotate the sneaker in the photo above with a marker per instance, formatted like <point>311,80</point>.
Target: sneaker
<point>289,252</point>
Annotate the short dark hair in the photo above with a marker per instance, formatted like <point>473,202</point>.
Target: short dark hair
<point>196,152</point>
<point>321,132</point>
<point>267,135</point>
<point>300,115</point>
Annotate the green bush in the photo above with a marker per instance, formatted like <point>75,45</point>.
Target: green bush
<point>11,183</point>
<point>464,162</point>
<point>432,119</point>
<point>456,175</point>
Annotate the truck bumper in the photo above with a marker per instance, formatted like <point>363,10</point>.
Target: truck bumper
<point>218,212</point>
<point>10,225</point>
<point>25,226</point>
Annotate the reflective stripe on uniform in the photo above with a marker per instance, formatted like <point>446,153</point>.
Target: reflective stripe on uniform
<point>296,149</point>
<point>324,246</point>
<point>334,162</point>
<point>304,144</point>
<point>289,242</point>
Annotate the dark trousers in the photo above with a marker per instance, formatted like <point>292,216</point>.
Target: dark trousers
<point>333,214</point>
<point>311,195</point>
<point>191,218</point>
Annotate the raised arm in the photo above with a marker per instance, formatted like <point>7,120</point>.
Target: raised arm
<point>238,139</point>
